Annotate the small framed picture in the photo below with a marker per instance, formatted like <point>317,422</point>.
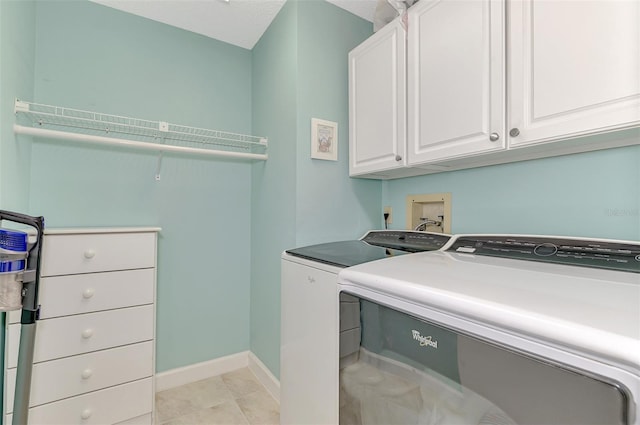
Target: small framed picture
<point>324,139</point>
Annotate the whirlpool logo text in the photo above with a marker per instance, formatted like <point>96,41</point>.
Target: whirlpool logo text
<point>425,341</point>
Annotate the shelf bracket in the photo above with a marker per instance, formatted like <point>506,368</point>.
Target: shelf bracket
<point>163,127</point>
<point>158,167</point>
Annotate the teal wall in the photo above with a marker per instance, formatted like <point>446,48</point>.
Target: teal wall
<point>274,182</point>
<point>17,56</point>
<point>92,57</point>
<point>594,194</point>
<point>329,205</point>
<point>300,72</point>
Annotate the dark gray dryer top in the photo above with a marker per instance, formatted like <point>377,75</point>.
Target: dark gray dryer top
<point>375,245</point>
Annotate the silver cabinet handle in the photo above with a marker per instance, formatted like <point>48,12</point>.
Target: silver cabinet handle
<point>494,137</point>
<point>398,158</point>
<point>514,132</point>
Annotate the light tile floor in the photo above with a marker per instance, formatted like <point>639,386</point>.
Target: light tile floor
<point>235,398</point>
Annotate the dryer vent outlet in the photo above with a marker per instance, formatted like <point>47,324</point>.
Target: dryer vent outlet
<point>429,212</point>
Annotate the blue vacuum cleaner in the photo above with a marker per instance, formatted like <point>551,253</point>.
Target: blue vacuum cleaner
<point>19,280</point>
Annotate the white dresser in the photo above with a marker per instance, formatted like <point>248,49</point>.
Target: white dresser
<point>94,357</point>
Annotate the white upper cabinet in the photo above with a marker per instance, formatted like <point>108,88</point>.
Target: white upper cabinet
<point>455,79</point>
<point>574,68</point>
<point>377,102</point>
<point>494,81</point>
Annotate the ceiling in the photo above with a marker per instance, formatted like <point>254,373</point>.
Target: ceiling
<point>238,22</point>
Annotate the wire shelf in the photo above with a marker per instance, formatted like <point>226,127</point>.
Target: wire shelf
<point>73,124</point>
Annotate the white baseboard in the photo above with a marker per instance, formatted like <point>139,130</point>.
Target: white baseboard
<point>264,375</point>
<point>196,372</point>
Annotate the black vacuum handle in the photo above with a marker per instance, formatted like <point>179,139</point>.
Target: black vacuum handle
<point>36,222</point>
<point>30,284</point>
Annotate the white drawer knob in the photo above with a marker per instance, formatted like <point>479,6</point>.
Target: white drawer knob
<point>87,333</point>
<point>86,374</point>
<point>86,414</point>
<point>89,253</point>
<point>88,293</point>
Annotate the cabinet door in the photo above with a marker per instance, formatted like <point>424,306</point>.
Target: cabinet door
<point>455,79</point>
<point>574,68</point>
<point>377,98</point>
<point>309,346</point>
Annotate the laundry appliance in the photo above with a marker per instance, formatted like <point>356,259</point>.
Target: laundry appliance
<point>495,329</point>
<point>310,326</point>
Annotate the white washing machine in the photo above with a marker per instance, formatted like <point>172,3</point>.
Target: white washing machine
<point>310,326</point>
<point>496,329</point>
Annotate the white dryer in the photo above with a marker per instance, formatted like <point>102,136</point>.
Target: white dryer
<point>310,311</point>
<point>496,329</point>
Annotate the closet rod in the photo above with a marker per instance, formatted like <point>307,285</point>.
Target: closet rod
<point>64,135</point>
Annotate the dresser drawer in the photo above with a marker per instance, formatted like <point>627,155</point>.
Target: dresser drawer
<point>108,406</point>
<point>86,293</point>
<point>72,376</point>
<point>86,253</point>
<point>70,335</point>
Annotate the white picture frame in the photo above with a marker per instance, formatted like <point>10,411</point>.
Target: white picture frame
<point>324,139</point>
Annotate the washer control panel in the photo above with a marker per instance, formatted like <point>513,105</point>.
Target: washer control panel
<point>580,252</point>
<point>411,241</point>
